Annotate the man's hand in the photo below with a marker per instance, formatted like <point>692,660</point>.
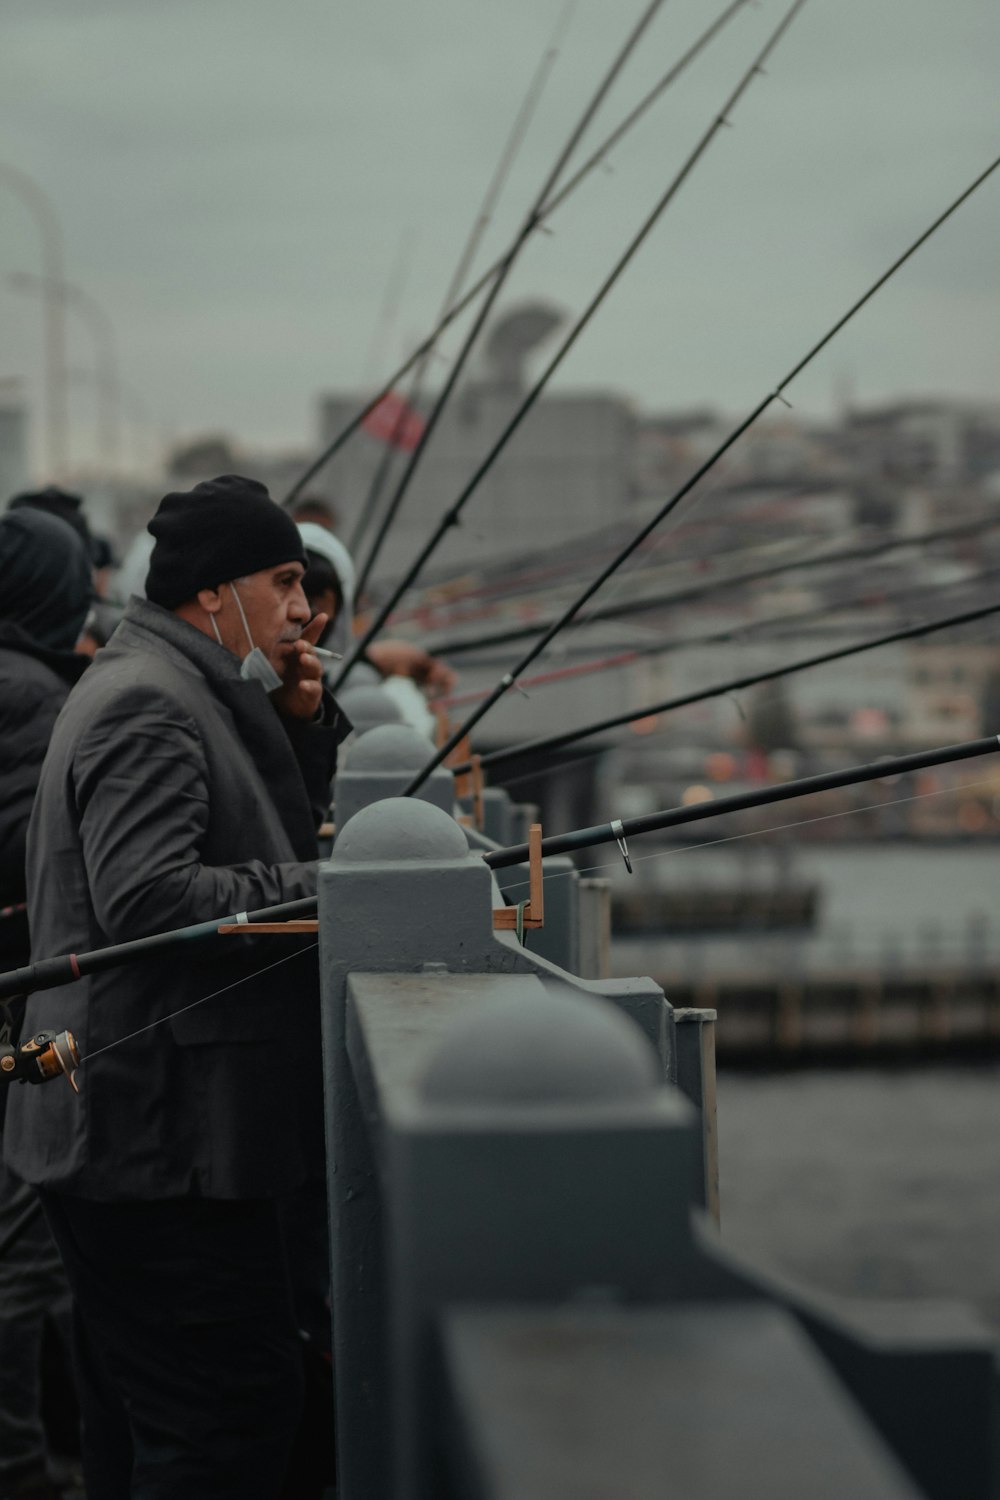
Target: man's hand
<point>405,659</point>
<point>301,693</point>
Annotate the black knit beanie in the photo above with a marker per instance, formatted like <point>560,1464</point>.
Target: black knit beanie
<point>45,582</point>
<point>59,503</point>
<point>223,529</point>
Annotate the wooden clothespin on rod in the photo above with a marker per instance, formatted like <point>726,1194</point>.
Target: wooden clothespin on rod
<point>458,756</point>
<point>530,913</point>
<point>283,929</point>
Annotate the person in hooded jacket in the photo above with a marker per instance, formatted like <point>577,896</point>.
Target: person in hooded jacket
<point>45,593</point>
<point>45,596</point>
<point>405,670</point>
<point>185,781</point>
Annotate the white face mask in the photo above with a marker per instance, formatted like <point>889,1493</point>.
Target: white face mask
<point>255,666</point>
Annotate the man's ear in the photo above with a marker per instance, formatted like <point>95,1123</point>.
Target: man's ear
<point>210,600</point>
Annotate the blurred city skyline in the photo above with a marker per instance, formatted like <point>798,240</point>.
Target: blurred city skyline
<point>241,186</point>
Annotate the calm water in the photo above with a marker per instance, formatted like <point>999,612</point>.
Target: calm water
<point>864,1182</point>
<point>868,1183</point>
<point>910,903</point>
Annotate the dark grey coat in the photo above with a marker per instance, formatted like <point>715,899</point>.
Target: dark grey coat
<point>173,793</point>
<point>34,685</point>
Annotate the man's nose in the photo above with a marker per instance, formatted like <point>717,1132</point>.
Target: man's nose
<point>298,606</point>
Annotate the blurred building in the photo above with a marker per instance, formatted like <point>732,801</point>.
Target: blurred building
<point>567,469</point>
<point>14,474</point>
<point>208,455</point>
<point>932,440</point>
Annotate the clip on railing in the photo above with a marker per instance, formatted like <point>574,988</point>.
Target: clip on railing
<point>525,914</point>
<point>530,913</point>
<point>469,780</point>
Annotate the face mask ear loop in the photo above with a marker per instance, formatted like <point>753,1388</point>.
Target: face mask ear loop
<point>243,617</point>
<point>215,627</point>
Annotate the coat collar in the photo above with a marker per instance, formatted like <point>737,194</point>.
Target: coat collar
<point>149,626</point>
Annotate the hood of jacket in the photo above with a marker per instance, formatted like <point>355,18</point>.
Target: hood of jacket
<point>339,635</point>
<point>69,665</point>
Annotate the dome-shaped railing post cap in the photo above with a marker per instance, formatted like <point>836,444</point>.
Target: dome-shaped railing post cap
<point>559,1047</point>
<point>402,830</point>
<point>391,747</point>
<point>367,706</point>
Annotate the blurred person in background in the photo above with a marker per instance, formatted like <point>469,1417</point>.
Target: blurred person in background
<point>61,503</point>
<point>105,612</point>
<point>315,510</point>
<point>329,585</point>
<point>45,595</point>
<point>403,668</point>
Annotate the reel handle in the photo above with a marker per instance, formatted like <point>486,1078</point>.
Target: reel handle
<point>41,1058</point>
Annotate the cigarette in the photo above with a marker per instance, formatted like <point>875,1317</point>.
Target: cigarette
<point>330,655</point>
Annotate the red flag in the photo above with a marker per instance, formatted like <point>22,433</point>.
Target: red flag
<point>393,421</point>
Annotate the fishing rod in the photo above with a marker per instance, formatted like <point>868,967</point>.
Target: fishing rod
<point>732,580</point>
<point>619,830</point>
<point>776,626</point>
<point>515,573</point>
<point>451,516</point>
<point>50,973</point>
<point>481,223</point>
<point>488,302</point>
<point>549,208</point>
<point>509,679</point>
<point>721,690</point>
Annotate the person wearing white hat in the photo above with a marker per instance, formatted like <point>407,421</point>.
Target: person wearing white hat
<point>403,668</point>
<point>329,584</point>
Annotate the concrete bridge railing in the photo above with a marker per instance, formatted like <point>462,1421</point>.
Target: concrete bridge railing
<point>526,1299</point>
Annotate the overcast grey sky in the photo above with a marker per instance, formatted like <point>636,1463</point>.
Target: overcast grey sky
<point>237,179</point>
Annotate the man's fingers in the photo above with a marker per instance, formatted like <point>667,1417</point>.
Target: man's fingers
<point>308,663</point>
<point>314,629</point>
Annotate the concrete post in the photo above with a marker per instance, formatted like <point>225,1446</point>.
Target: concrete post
<point>401,890</point>
<point>694,1033</point>
<point>540,1161</point>
<point>402,896</point>
<point>594,918</point>
<point>367,706</point>
<point>380,764</point>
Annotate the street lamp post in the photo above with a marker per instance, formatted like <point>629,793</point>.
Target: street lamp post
<point>108,374</point>
<point>147,442</point>
<point>42,211</point>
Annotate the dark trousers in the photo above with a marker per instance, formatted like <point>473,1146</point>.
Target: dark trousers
<point>33,1292</point>
<point>188,1358</point>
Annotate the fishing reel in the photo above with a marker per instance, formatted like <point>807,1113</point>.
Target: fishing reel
<point>41,1058</point>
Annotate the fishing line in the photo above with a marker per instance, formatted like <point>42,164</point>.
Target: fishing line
<point>547,209</point>
<point>627,574</point>
<point>845,812</point>
<point>686,595</point>
<point>562,875</point>
<point>482,221</point>
<point>299,953</point>
<point>906,632</point>
<point>520,575</point>
<point>451,516</point>
<point>485,308</point>
<point>509,679</point>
